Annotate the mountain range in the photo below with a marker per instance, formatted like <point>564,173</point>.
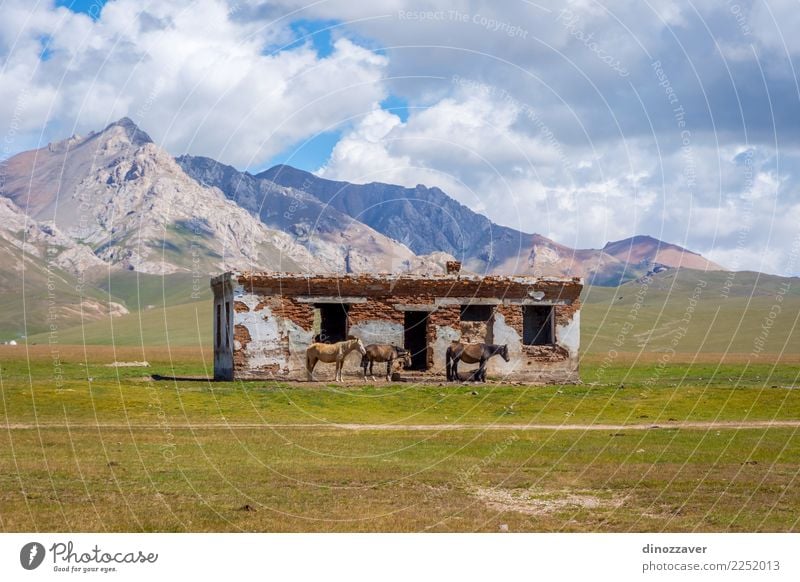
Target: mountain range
<point>88,209</point>
<point>428,221</point>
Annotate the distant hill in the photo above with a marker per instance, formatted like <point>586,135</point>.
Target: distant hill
<point>645,250</point>
<point>692,311</point>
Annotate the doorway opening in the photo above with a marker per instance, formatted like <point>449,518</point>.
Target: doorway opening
<point>416,338</point>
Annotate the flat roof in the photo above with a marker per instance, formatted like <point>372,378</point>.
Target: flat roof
<point>461,276</point>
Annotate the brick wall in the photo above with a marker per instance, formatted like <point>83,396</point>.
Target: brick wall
<point>279,294</point>
<point>380,309</point>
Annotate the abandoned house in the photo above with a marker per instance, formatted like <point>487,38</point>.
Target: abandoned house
<point>263,322</point>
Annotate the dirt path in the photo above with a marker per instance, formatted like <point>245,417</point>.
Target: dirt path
<point>699,425</point>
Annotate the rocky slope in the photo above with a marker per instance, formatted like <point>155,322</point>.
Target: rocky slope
<point>340,242</point>
<point>427,220</point>
<point>44,241</point>
<point>424,219</point>
<point>42,279</point>
<point>128,202</point>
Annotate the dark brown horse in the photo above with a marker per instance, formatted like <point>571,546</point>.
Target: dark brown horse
<point>472,354</point>
<point>383,353</point>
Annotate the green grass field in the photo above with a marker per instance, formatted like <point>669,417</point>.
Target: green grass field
<point>687,420</point>
<point>110,449</point>
<point>694,312</point>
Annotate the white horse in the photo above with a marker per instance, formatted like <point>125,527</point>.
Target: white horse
<point>329,353</point>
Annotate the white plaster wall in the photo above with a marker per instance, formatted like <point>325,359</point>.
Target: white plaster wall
<point>264,347</point>
<point>298,340</point>
<point>379,332</point>
<point>505,334</point>
<point>374,332</point>
<point>270,336</point>
<point>445,335</point>
<point>569,335</point>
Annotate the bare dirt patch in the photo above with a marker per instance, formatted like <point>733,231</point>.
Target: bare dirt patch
<point>539,502</point>
<point>128,365</point>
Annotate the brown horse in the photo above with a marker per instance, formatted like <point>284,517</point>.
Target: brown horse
<point>384,353</point>
<point>329,353</point>
<point>472,354</point>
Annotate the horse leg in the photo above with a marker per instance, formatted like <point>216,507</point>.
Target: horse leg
<point>482,370</point>
<point>448,364</point>
<point>338,375</point>
<point>454,369</point>
<point>389,369</point>
<point>311,362</point>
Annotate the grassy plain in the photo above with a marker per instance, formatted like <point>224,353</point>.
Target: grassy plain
<point>682,374</point>
<point>111,449</point>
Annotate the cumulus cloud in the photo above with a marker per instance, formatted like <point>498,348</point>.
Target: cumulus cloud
<point>728,202</point>
<point>696,136</point>
<point>467,145</point>
<point>196,77</point>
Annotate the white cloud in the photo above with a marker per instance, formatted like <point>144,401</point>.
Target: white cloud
<point>773,24</point>
<point>473,149</point>
<point>190,73</point>
<point>468,146</point>
<point>361,156</point>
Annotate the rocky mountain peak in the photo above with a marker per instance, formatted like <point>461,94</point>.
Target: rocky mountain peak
<point>289,176</point>
<point>646,250</point>
<point>129,129</point>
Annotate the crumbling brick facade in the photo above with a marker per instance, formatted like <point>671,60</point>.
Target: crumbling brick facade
<point>263,322</point>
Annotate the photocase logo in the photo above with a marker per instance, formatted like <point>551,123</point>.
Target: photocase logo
<point>31,555</point>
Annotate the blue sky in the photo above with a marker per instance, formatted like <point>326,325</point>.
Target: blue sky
<point>92,8</point>
<point>313,152</point>
<point>585,122</point>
